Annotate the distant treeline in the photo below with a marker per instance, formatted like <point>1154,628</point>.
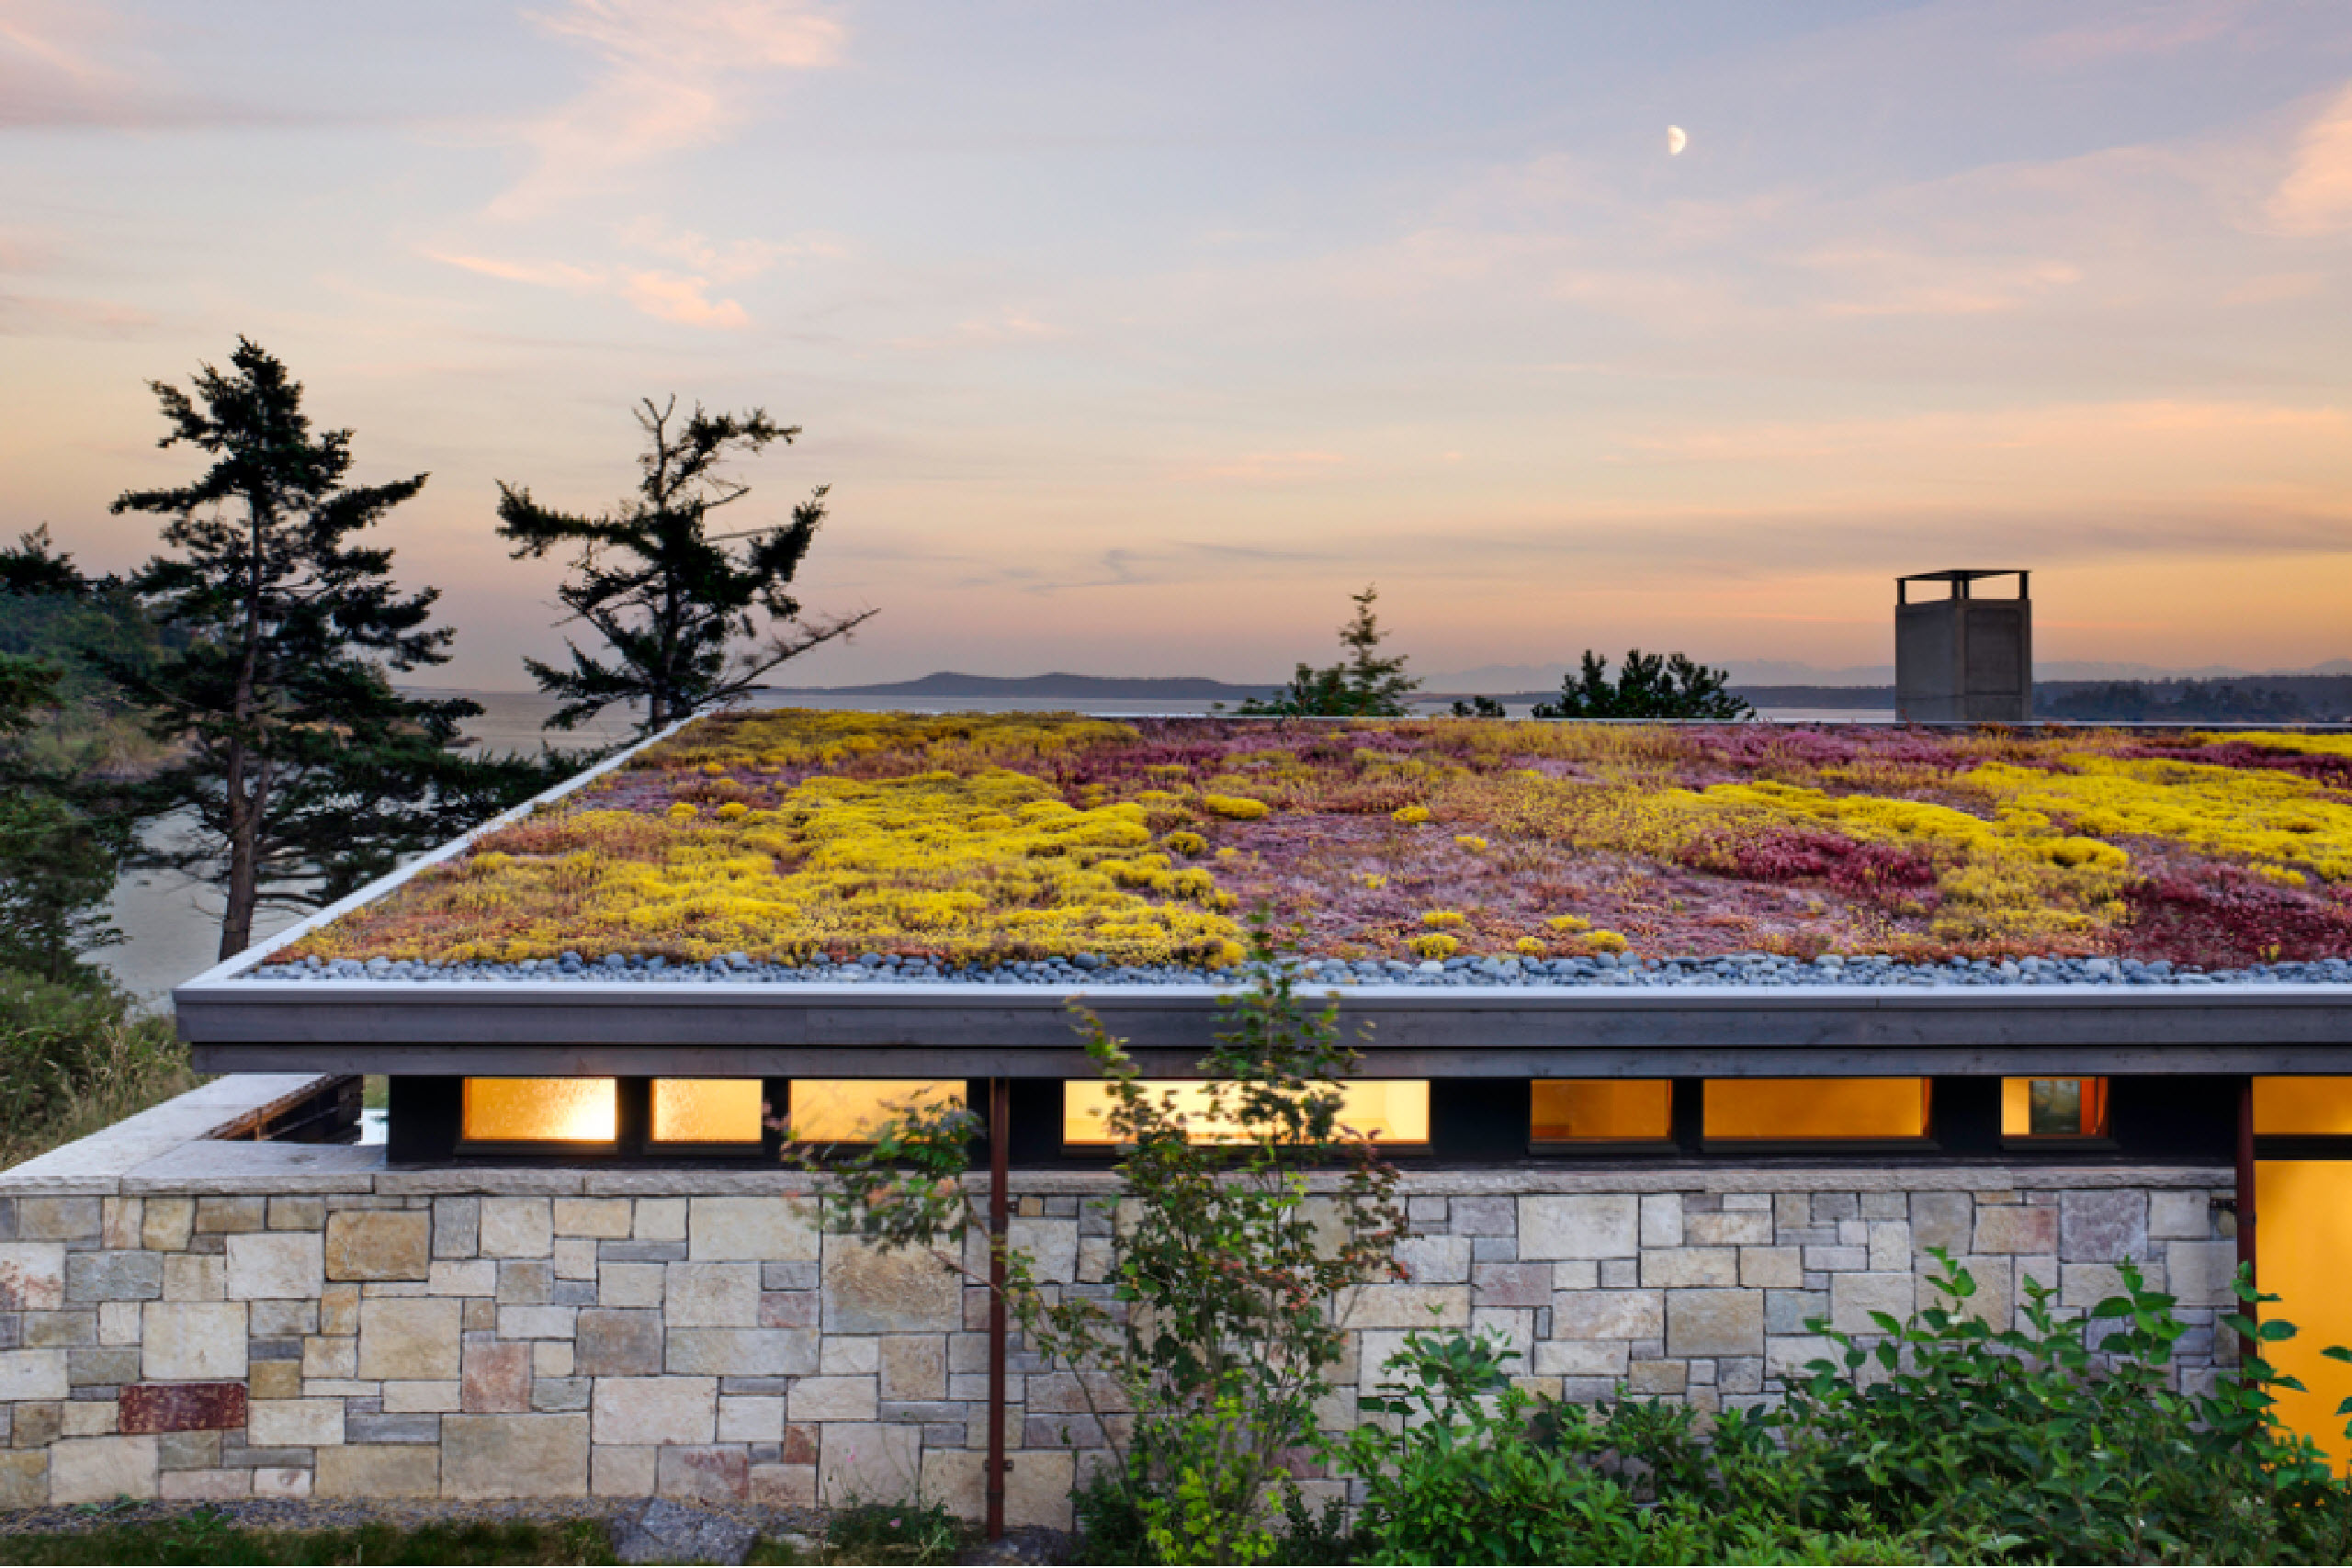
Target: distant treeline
<point>2274,699</point>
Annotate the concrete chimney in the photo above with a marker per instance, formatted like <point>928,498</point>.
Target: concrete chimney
<point>1964,660</point>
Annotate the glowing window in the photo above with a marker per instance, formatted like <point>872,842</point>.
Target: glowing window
<point>706,1111</point>
<point>2306,1209</point>
<point>1571,1111</point>
<point>2054,1108</point>
<point>1393,1112</point>
<point>1806,1110</point>
<point>2310,1107</point>
<point>541,1110</point>
<point>850,1111</point>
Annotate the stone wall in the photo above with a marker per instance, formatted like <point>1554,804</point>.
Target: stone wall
<point>193,1319</point>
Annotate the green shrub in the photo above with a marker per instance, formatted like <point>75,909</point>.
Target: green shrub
<point>893,1532</point>
<point>76,1057</point>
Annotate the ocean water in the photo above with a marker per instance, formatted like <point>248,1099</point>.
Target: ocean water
<point>172,924</point>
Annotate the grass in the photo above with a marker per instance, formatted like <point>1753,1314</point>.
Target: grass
<point>206,1536</point>
<point>74,1059</point>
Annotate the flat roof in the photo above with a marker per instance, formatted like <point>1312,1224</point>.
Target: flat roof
<point>795,891</point>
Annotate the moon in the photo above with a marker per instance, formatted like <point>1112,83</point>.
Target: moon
<point>1676,141</point>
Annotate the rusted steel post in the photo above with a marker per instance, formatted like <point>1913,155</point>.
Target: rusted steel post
<point>2245,1178</point>
<point>999,1224</point>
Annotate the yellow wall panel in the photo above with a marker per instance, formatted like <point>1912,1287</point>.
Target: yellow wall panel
<point>2304,1231</point>
<point>565,1111</point>
<point>2303,1107</point>
<point>1788,1110</point>
<point>1391,1111</point>
<point>849,1111</point>
<point>1602,1109</point>
<point>706,1111</point>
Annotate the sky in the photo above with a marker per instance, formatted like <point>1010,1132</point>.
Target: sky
<point>1133,339</point>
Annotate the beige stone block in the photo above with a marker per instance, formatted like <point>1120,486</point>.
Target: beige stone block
<point>281,1481</point>
<point>1853,1297</point>
<point>712,1295</point>
<point>629,1284</point>
<point>2180,1216</point>
<point>379,1243</point>
<point>622,1470</point>
<point>2200,1272</point>
<point>276,1265</point>
<point>514,1456</point>
<point>955,1480</point>
<point>2016,1228</point>
<point>1036,1491</point>
<point>193,1341</point>
<point>195,1277</point>
<point>785,1486</point>
<point>410,1337</point>
<point>1052,1242</point>
<point>605,1217</point>
<point>1581,1358</point>
<point>1435,1259</point>
<point>1608,1315</point>
<point>297,1214</point>
<point>517,1227</point>
<point>496,1378</point>
<point>1688,1266</point>
<point>551,1359</point>
<point>1662,1219</point>
<point>24,1478</point>
<point>206,1485</point>
<point>88,1419</point>
<point>914,1366</point>
<point>57,1219</point>
<point>660,1219</point>
<point>869,1291</point>
<point>2084,1285</point>
<point>533,1322</point>
<point>166,1226</point>
<point>99,1470</point>
<point>846,1355</point>
<point>1716,1323</point>
<point>421,1398</point>
<point>121,1222</point>
<point>655,1410</point>
<point>1772,1268</point>
<point>1555,1225</point>
<point>750,1230</point>
<point>336,1358</point>
<point>832,1399</point>
<point>294,1422</point>
<point>1408,1307</point>
<point>869,1463</point>
<point>275,1380</point>
<point>119,1323</point>
<point>472,1277</point>
<point>32,1276</point>
<point>227,1215</point>
<point>575,1258</point>
<point>73,1329</point>
<point>1890,1245</point>
<point>379,1469</point>
<point>1993,1302</point>
<point>33,1375</point>
<point>1728,1228</point>
<point>1790,1356</point>
<point>715,1475</point>
<point>750,1419</point>
<point>740,1352</point>
<point>339,1310</point>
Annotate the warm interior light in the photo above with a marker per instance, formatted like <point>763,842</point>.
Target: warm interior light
<point>2054,1108</point>
<point>1392,1111</point>
<point>2310,1107</point>
<point>706,1111</point>
<point>2306,1209</point>
<point>1803,1109</point>
<point>1569,1110</point>
<point>557,1110</point>
<point>849,1111</point>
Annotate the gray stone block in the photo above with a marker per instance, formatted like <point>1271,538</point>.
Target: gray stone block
<point>640,1252</point>
<point>1786,1312</point>
<point>1715,1323</point>
<point>551,1396</point>
<point>2103,1226</point>
<point>457,1228</point>
<point>391,1429</point>
<point>114,1276</point>
<point>788,1276</point>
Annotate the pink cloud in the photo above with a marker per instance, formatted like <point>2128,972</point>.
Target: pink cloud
<point>2316,196</point>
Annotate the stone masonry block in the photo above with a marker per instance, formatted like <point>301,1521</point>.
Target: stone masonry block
<point>914,1366</point>
<point>114,1276</point>
<point>2180,1216</point>
<point>1409,1306</point>
<point>1558,1225</point>
<point>517,1227</point>
<point>2016,1228</point>
<point>740,1352</point>
<point>1715,1323</point>
<point>276,1265</point>
<point>1435,1259</point>
<point>182,1407</point>
<point>487,1457</point>
<point>752,1230</point>
<point>1662,1219</point>
<point>704,1474</point>
<point>294,1422</point>
<point>832,1399</point>
<point>1608,1315</point>
<point>33,1375</point>
<point>59,1219</point>
<point>1943,1219</point>
<point>409,1336</point>
<point>869,1291</point>
<point>494,1377</point>
<point>655,1410</point>
<point>616,1343</point>
<point>860,1463</point>
<point>1691,1266</point>
<point>99,1470</point>
<point>1748,1227</point>
<point>603,1217</point>
<point>1510,1284</point>
<point>193,1341</point>
<point>712,1295</point>
<point>166,1226</point>
<point>32,1276</point>
<point>379,1243</point>
<point>2200,1272</point>
<point>629,1284</point>
<point>660,1219</point>
<point>379,1469</point>
<point>1485,1216</point>
<point>1853,1297</point>
<point>2102,1226</point>
<point>457,1228</point>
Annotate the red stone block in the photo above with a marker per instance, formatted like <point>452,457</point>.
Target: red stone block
<point>495,1378</point>
<point>183,1407</point>
<point>801,1443</point>
<point>704,1474</point>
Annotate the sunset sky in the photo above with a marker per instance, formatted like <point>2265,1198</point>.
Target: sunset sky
<point>1132,339</point>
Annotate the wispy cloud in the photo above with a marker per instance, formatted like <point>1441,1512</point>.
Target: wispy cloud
<point>1009,325</point>
<point>668,77</point>
<point>2316,196</point>
<point>685,297</point>
<point>2149,26</point>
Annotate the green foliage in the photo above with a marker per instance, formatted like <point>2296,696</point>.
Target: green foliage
<point>893,1532</point>
<point>1361,685</point>
<point>59,853</point>
<point>672,599</point>
<point>1479,707</point>
<point>75,1057</point>
<point>207,1536</point>
<point>1216,1327</point>
<point>1941,1440</point>
<point>1648,685</point>
<point>304,772</point>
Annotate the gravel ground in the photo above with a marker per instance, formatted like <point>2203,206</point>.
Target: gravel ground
<point>1086,970</point>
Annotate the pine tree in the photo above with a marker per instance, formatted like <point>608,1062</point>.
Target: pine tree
<point>1648,685</point>
<point>673,600</point>
<point>1361,685</point>
<point>302,769</point>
